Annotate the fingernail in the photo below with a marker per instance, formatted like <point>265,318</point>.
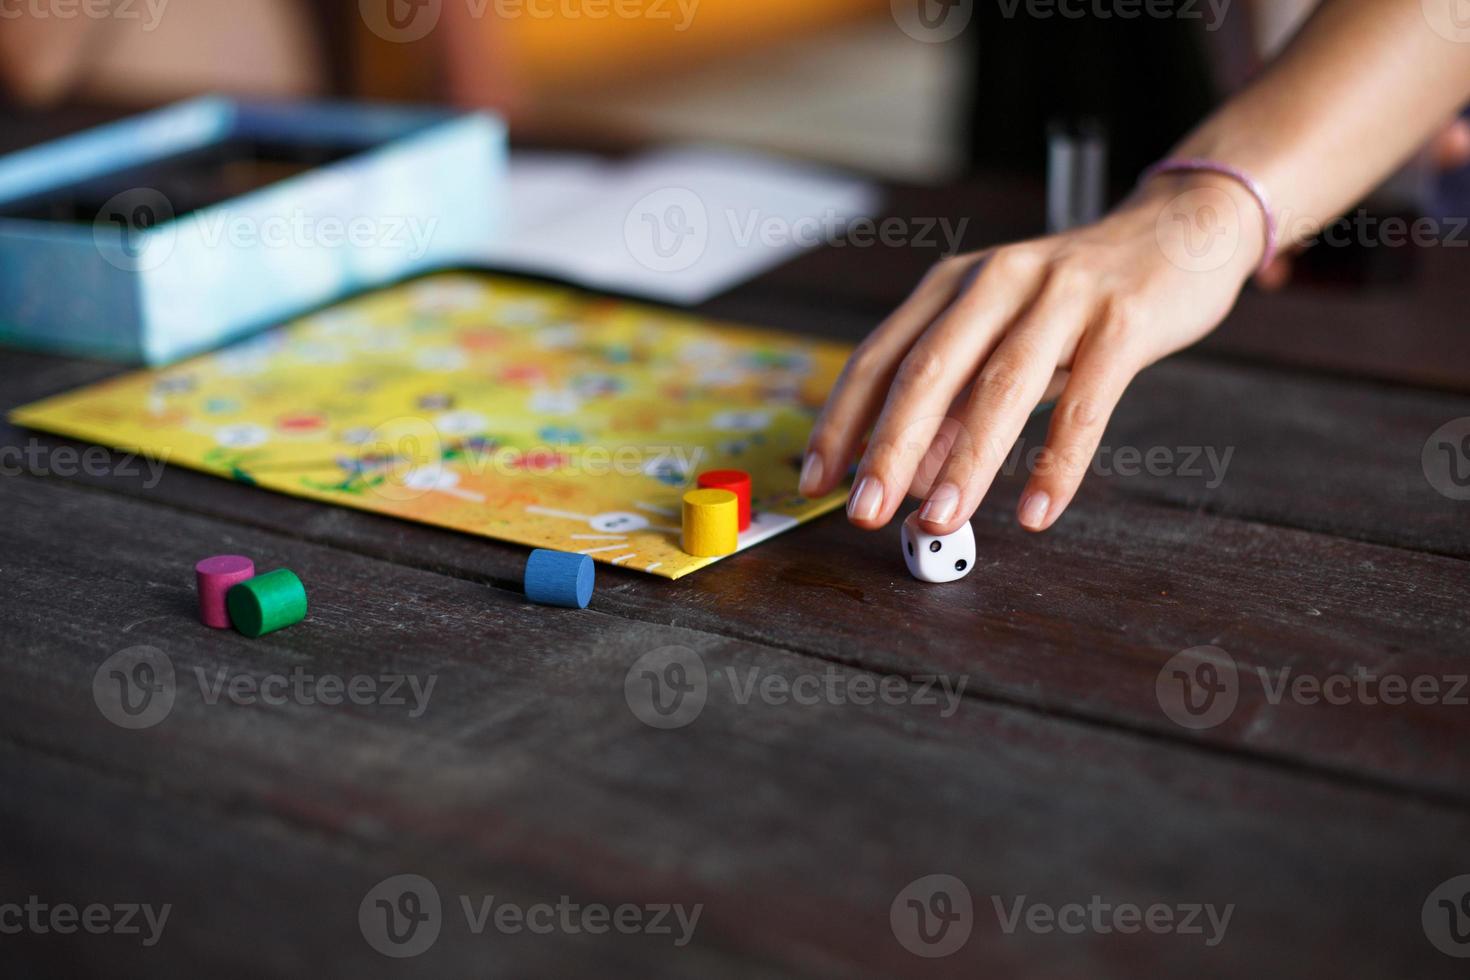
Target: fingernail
<point>940,506</point>
<point>866,499</point>
<point>1034,508</point>
<point>811,475</point>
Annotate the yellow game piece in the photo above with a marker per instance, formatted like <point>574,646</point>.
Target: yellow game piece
<point>711,523</point>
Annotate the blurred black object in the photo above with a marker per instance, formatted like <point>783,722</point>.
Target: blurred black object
<point>1076,173</point>
<point>1146,81</point>
<point>190,181</point>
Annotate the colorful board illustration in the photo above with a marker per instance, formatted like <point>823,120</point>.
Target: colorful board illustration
<point>494,406</point>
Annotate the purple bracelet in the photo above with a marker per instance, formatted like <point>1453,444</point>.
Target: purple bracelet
<point>1184,164</point>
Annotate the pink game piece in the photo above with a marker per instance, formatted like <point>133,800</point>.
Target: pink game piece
<point>215,576</point>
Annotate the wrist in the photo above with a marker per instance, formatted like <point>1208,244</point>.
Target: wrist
<point>1205,221</point>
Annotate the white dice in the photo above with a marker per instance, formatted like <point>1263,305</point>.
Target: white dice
<point>937,558</point>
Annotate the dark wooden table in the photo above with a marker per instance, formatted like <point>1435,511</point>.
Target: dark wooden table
<point>1059,778</point>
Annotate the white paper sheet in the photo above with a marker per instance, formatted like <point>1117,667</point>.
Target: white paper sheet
<point>678,225</point>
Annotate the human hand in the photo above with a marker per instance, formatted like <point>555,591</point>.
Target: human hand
<point>952,375</point>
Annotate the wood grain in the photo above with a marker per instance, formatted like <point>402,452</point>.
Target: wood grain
<point>1081,621</point>
<point>529,778</point>
<point>1056,772</point>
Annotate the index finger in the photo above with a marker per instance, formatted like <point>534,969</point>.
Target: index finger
<point>858,394</point>
<point>933,373</point>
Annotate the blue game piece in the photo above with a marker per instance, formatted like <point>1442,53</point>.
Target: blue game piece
<point>558,578</point>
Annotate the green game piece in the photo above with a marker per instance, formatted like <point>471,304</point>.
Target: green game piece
<point>267,602</point>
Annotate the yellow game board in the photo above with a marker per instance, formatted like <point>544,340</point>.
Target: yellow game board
<point>513,410</point>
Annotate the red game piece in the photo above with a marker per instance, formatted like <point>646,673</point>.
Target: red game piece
<point>215,576</point>
<point>737,482</point>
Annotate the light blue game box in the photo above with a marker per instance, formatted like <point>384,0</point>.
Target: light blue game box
<point>167,265</point>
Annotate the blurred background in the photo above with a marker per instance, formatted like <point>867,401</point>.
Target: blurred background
<point>885,86</point>
<point>917,92</point>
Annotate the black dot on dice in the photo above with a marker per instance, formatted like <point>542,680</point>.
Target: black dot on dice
<point>959,566</point>
<point>935,545</point>
<point>911,549</point>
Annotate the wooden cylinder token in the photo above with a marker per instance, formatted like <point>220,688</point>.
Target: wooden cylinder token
<point>737,482</point>
<point>267,603</point>
<point>559,578</point>
<point>214,577</point>
<point>711,523</point>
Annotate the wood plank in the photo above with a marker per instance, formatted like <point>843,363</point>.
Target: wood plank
<point>1411,332</point>
<point>1079,621</point>
<point>795,826</point>
<point>250,891</point>
<point>1316,453</point>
